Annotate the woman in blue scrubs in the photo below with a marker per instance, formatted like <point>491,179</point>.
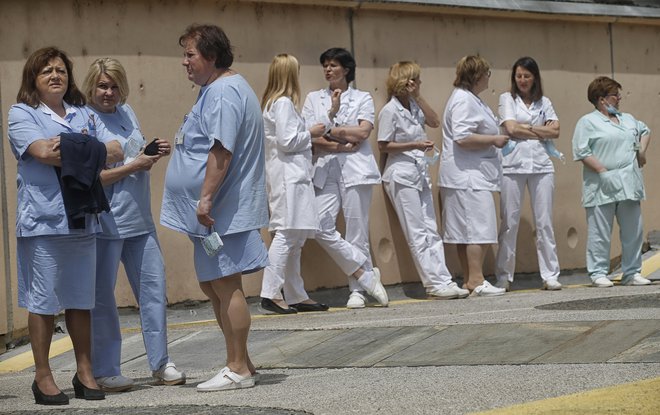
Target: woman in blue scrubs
<point>612,148</point>
<point>215,187</point>
<point>56,264</point>
<point>129,236</point>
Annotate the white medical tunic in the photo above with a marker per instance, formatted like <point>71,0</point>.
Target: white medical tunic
<point>289,168</point>
<point>528,156</point>
<point>359,167</point>
<point>475,169</point>
<point>398,124</point>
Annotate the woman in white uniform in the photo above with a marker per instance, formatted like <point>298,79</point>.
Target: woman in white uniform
<point>529,118</point>
<point>215,192</point>
<point>129,236</point>
<point>293,216</point>
<point>407,180</point>
<point>56,264</point>
<point>344,172</point>
<point>470,172</point>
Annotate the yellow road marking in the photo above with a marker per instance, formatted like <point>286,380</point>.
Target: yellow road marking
<point>25,359</point>
<point>637,398</point>
<point>649,266</point>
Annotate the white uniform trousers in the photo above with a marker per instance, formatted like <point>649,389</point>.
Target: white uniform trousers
<point>352,252</point>
<point>144,267</point>
<point>283,270</point>
<point>416,215</point>
<point>599,237</point>
<point>541,191</point>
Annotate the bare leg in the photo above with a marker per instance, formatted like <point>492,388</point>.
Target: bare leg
<point>475,255</point>
<point>461,250</point>
<point>234,320</point>
<point>78,324</point>
<point>40,327</point>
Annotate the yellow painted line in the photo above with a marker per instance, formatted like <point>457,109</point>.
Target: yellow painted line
<point>639,398</point>
<point>649,266</point>
<point>25,359</point>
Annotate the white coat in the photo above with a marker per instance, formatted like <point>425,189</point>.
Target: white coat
<point>357,168</point>
<point>291,195</point>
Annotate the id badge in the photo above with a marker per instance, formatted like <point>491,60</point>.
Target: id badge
<point>178,138</point>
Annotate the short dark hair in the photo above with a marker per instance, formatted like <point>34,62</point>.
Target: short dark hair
<point>344,58</point>
<point>600,88</point>
<point>211,42</point>
<point>38,60</point>
<point>530,64</point>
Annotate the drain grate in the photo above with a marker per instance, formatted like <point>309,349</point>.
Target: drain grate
<point>607,303</point>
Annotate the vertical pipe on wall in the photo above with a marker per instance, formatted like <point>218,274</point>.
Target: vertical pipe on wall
<point>9,304</point>
<point>351,36</point>
<point>609,29</point>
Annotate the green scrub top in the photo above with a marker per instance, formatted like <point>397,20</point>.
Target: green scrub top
<point>615,146</point>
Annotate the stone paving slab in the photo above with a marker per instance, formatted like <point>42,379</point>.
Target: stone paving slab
<point>603,342</point>
<point>647,350</point>
<point>280,351</point>
<point>487,344</point>
<point>337,349</point>
<point>475,344</point>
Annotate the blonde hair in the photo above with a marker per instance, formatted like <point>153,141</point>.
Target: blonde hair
<point>282,80</point>
<point>468,71</point>
<point>400,74</point>
<point>113,69</point>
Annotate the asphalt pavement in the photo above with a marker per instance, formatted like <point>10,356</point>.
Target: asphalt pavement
<point>578,350</point>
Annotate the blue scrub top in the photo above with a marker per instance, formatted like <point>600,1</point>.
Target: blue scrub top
<point>130,197</point>
<point>40,207</point>
<point>226,111</point>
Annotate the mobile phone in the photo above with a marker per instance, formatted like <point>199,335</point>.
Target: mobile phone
<point>152,148</point>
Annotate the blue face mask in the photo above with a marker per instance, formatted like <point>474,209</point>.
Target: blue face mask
<point>433,158</point>
<point>611,109</point>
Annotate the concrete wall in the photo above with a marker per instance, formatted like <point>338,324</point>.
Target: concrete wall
<point>143,35</point>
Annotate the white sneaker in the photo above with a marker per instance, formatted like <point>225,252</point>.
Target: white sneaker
<point>226,380</point>
<point>355,300</point>
<point>488,290</point>
<point>602,282</point>
<point>448,292</point>
<point>117,383</point>
<point>375,288</point>
<point>551,285</point>
<point>636,280</point>
<point>169,375</point>
<point>503,283</point>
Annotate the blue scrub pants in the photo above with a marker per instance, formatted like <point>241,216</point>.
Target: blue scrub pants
<point>599,236</point>
<point>144,267</point>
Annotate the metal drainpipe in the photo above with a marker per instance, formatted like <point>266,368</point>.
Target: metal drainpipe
<point>609,28</point>
<point>5,236</point>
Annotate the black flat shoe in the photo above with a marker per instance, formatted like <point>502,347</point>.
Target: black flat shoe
<point>41,398</point>
<point>83,392</point>
<point>302,307</point>
<point>270,305</point>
